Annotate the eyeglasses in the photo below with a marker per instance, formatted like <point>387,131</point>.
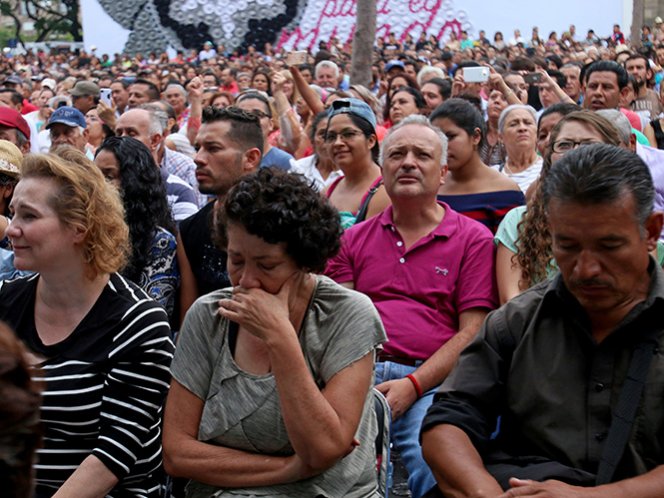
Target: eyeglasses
<point>346,136</point>
<point>563,146</point>
<point>260,114</point>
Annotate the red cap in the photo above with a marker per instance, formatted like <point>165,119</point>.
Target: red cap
<point>13,119</point>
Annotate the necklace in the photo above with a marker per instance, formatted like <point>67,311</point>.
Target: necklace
<point>511,171</point>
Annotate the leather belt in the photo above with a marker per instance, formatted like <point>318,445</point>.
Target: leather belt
<point>402,360</point>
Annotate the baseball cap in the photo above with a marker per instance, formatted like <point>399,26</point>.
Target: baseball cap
<point>658,20</point>
<point>392,64</point>
<point>13,80</point>
<point>621,47</point>
<point>66,115</point>
<point>353,106</point>
<point>48,82</point>
<point>13,119</point>
<point>11,159</point>
<point>83,88</point>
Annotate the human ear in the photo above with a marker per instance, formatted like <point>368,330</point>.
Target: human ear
<point>653,227</point>
<point>444,170</point>
<point>252,159</point>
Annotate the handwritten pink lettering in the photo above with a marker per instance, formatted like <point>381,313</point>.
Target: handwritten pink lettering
<point>329,18</point>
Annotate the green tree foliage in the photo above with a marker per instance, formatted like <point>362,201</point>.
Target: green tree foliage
<point>51,18</point>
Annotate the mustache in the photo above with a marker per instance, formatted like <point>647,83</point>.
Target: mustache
<point>591,282</point>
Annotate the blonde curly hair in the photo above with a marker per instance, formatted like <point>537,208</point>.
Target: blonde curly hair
<point>86,202</point>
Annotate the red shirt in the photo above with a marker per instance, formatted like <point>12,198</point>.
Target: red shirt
<point>28,107</point>
<point>419,292</point>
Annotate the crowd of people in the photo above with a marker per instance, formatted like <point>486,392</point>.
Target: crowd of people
<point>215,263</point>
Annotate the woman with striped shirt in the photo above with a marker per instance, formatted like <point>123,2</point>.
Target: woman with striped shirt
<point>101,344</point>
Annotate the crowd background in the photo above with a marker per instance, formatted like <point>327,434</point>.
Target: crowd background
<point>45,80</point>
<point>308,110</point>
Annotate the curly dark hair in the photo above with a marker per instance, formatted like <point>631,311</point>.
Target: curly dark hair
<point>144,198</point>
<point>282,207</point>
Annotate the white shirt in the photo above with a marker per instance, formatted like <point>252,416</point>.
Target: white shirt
<point>307,167</point>
<point>523,178</point>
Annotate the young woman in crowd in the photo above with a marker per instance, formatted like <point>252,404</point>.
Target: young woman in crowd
<point>351,141</point>
<point>471,187</point>
<point>404,102</point>
<point>393,84</point>
<point>128,165</point>
<point>318,167</point>
<point>98,131</point>
<point>435,91</point>
<point>260,81</point>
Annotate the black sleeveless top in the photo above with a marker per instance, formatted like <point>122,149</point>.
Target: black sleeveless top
<point>659,133</point>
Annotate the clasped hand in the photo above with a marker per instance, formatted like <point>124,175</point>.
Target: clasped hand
<point>259,312</point>
<point>400,395</point>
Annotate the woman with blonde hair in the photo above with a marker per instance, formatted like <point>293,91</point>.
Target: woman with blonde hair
<point>102,344</point>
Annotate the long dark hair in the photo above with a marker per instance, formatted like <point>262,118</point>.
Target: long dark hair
<point>144,198</point>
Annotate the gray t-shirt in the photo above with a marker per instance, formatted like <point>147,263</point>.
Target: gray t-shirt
<point>242,410</point>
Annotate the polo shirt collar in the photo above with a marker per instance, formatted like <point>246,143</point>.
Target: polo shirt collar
<point>446,228</point>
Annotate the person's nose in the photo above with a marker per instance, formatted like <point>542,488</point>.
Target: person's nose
<point>337,140</point>
<point>249,278</point>
<point>200,158</point>
<point>13,229</point>
<point>587,266</point>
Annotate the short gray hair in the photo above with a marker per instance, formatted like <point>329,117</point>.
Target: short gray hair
<point>514,107</point>
<point>179,87</point>
<point>620,121</point>
<point>158,118</point>
<point>419,120</point>
<point>328,64</point>
<point>438,72</point>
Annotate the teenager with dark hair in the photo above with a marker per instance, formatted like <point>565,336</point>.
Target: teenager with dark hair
<point>129,166</point>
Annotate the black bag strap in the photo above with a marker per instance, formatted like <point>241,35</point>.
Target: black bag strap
<point>625,411</point>
<point>362,213</point>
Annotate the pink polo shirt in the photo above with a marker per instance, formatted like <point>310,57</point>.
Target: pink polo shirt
<point>419,292</point>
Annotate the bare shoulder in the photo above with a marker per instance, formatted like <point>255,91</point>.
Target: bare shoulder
<point>500,181</point>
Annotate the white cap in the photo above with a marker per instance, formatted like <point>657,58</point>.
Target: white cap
<point>48,82</point>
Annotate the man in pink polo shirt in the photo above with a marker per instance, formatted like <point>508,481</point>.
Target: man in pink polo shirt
<point>430,273</point>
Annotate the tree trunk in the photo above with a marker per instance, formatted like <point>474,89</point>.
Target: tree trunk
<point>637,21</point>
<point>363,41</point>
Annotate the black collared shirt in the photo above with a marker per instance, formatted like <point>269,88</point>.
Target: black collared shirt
<point>536,365</point>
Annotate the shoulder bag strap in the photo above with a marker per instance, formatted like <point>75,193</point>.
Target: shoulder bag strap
<point>625,410</point>
<point>362,213</point>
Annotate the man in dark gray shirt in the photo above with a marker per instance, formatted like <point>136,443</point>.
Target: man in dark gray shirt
<point>552,362</point>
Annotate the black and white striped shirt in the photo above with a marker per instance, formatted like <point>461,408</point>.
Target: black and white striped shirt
<point>105,385</point>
